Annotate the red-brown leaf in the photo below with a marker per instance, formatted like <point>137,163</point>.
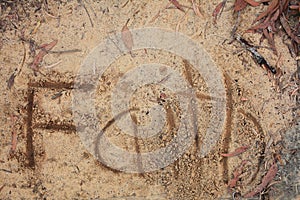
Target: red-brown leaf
<point>271,8</point>
<point>218,10</point>
<point>253,3</point>
<point>44,51</point>
<point>239,5</point>
<point>235,152</point>
<point>177,5</point>
<point>265,181</point>
<point>236,174</point>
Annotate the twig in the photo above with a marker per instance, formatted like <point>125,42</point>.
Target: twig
<point>65,51</point>
<point>87,12</point>
<point>259,59</point>
<point>288,29</point>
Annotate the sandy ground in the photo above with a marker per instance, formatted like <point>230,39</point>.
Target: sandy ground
<point>50,160</point>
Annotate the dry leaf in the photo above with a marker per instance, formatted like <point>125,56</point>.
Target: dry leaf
<point>127,37</point>
<point>44,51</point>
<point>271,8</point>
<point>177,5</point>
<point>265,181</point>
<point>239,5</point>
<point>235,152</point>
<point>236,174</point>
<point>218,10</point>
<point>253,3</point>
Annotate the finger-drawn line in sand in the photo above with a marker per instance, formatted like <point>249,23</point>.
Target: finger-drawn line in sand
<point>32,87</point>
<point>228,126</point>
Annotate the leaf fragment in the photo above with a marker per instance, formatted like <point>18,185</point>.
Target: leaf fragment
<point>252,3</point>
<point>177,5</point>
<point>271,8</point>
<point>239,5</point>
<point>11,80</point>
<point>265,181</point>
<point>236,152</point>
<point>45,48</point>
<point>236,174</point>
<point>218,10</point>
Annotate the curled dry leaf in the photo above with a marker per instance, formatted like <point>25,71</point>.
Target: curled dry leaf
<point>265,181</point>
<point>235,152</point>
<point>45,48</point>
<point>127,37</point>
<point>177,5</point>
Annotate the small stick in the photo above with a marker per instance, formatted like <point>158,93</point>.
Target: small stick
<point>65,51</point>
<point>259,59</point>
<point>87,12</point>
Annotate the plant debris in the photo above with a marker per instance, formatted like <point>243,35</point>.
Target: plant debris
<point>265,181</point>
<point>236,152</point>
<point>242,4</point>
<point>45,48</point>
<point>196,9</point>
<point>11,80</point>
<point>259,59</point>
<point>177,5</point>
<point>14,135</point>
<point>218,10</point>
<point>236,174</point>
